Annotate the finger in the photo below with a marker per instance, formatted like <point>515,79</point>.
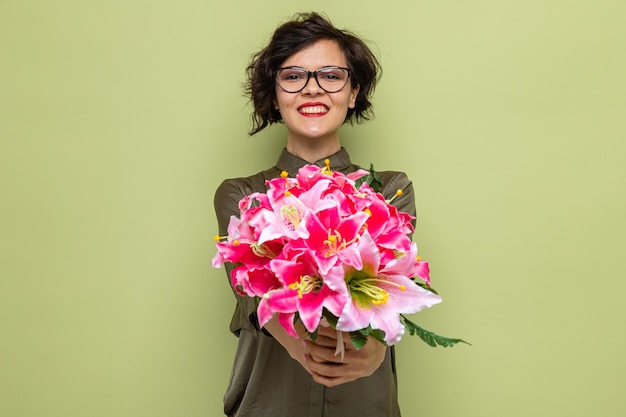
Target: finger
<point>325,341</point>
<point>326,369</point>
<point>327,331</point>
<point>329,381</point>
<point>324,354</point>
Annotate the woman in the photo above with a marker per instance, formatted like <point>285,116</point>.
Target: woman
<point>313,78</point>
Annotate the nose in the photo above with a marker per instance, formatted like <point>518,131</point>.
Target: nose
<point>312,87</point>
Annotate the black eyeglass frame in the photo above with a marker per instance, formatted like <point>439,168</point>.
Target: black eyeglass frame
<point>314,75</point>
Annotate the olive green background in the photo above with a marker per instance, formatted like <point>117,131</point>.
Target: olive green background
<point>118,119</point>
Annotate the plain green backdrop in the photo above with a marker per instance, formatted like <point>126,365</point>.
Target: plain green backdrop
<point>118,119</point>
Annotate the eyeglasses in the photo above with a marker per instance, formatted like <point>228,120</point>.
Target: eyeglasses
<point>330,79</point>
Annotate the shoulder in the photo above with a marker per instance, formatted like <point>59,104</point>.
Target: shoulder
<point>237,188</point>
<point>394,181</point>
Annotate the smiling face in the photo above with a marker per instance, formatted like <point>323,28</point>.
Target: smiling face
<point>313,116</point>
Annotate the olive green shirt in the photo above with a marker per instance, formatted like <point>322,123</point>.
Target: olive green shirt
<point>265,380</point>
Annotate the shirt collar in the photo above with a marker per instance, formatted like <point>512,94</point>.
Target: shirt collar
<point>288,162</point>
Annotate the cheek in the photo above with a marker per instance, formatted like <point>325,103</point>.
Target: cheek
<point>281,100</point>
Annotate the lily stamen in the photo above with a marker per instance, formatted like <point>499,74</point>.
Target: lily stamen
<point>326,170</point>
<point>291,216</point>
<point>398,254</point>
<point>285,175</point>
<point>375,294</point>
<point>306,285</point>
<point>336,243</point>
<point>398,194</point>
<point>262,251</point>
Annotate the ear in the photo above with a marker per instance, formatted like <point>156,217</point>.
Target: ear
<point>353,94</point>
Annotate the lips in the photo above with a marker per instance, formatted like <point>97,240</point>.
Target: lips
<point>313,109</point>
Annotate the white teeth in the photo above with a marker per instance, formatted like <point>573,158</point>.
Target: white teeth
<point>313,109</point>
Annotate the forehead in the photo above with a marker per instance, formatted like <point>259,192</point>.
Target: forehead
<point>319,54</point>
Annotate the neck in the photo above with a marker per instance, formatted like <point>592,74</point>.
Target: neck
<point>313,150</point>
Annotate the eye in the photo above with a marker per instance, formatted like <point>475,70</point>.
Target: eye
<point>332,74</point>
<point>291,75</point>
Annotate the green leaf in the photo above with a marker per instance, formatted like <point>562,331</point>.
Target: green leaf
<point>378,335</point>
<point>426,287</point>
<point>429,337</point>
<point>372,179</point>
<point>358,339</point>
<point>330,318</point>
<point>313,335</point>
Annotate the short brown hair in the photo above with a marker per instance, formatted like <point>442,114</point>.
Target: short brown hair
<point>304,30</point>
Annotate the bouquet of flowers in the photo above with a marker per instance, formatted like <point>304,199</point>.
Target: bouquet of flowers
<point>327,249</point>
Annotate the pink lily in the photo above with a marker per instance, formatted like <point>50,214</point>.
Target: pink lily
<point>309,175</point>
<point>303,290</point>
<point>422,270</point>
<point>333,238</point>
<point>254,282</point>
<point>380,293</point>
<point>283,221</point>
<point>242,246</point>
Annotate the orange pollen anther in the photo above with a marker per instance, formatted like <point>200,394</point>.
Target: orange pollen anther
<point>326,170</point>
<point>398,194</point>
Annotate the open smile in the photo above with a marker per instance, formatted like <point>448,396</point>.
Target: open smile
<point>313,109</point>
